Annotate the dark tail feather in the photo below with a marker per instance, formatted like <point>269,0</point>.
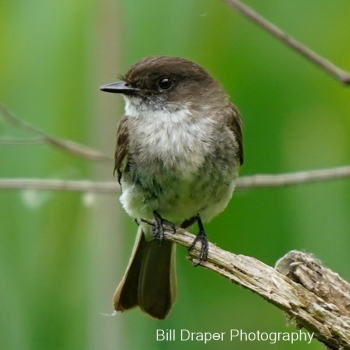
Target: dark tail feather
<point>150,279</point>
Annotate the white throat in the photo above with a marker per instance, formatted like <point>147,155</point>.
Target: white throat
<point>135,109</point>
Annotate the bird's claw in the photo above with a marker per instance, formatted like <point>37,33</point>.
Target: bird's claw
<point>202,238</point>
<point>157,230</point>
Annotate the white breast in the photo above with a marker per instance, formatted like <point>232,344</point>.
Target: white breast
<point>177,138</point>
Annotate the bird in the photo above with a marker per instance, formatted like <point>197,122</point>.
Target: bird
<point>178,153</point>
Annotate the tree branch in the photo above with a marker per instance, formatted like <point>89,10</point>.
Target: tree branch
<point>320,61</point>
<point>310,302</point>
<point>66,145</point>
<point>22,142</point>
<point>243,183</point>
<point>60,185</point>
<point>294,178</point>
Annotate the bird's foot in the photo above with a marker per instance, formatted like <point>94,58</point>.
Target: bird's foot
<point>157,230</point>
<point>202,238</point>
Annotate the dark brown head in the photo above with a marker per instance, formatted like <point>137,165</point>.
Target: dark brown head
<point>165,82</point>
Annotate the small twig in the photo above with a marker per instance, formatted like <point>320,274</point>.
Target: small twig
<point>308,308</point>
<point>22,142</point>
<point>243,183</point>
<point>296,178</point>
<point>60,185</point>
<point>66,145</point>
<point>326,65</point>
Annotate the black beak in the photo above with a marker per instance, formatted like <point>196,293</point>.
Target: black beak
<point>121,87</point>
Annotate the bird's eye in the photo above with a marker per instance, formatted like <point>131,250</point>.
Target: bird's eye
<point>165,83</point>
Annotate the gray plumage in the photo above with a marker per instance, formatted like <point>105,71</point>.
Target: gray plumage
<point>178,153</point>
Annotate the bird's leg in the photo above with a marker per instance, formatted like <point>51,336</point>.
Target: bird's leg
<point>189,222</point>
<point>157,230</point>
<point>202,238</point>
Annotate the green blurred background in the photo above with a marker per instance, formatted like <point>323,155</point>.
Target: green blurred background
<point>63,254</point>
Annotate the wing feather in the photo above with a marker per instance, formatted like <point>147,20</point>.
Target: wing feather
<point>234,123</point>
<point>122,146</point>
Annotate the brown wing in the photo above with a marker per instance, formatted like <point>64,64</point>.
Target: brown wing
<point>121,149</point>
<point>234,123</point>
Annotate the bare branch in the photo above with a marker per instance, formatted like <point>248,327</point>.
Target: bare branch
<point>66,145</point>
<point>243,183</point>
<point>320,61</point>
<point>22,142</point>
<point>296,178</point>
<point>308,307</point>
<point>60,185</point>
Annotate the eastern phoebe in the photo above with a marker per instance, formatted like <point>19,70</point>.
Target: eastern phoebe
<point>179,148</point>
